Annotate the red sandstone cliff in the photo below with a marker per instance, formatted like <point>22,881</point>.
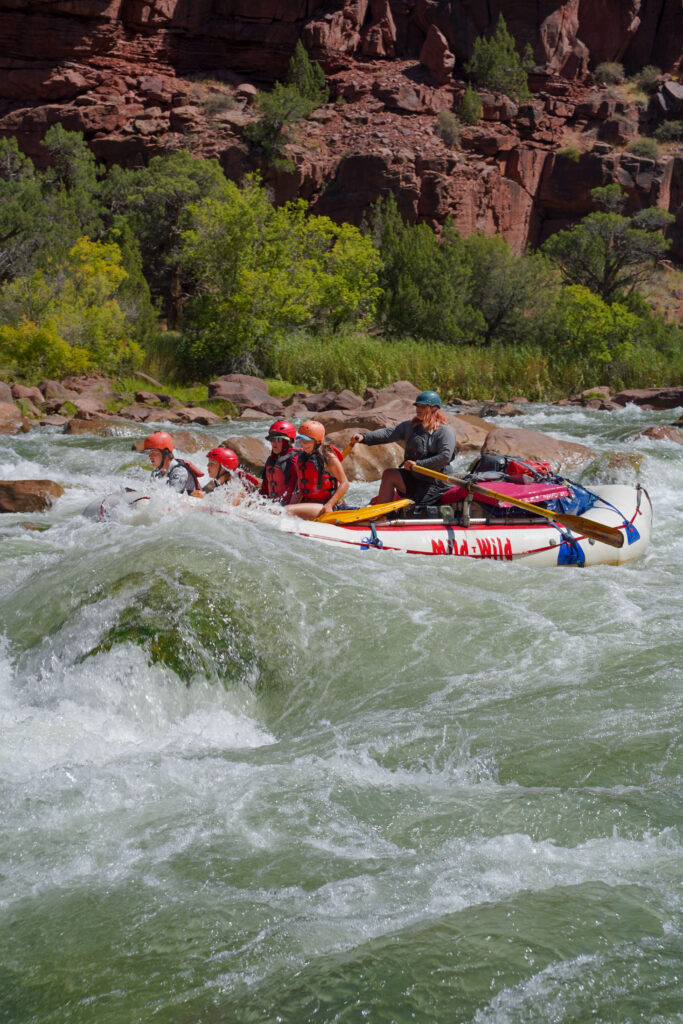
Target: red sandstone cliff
<point>122,72</point>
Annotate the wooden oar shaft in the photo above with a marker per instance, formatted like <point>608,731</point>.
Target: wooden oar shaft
<point>579,524</point>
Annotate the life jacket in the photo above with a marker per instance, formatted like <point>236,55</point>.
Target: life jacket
<point>192,471</point>
<point>313,482</point>
<point>250,481</point>
<point>278,475</point>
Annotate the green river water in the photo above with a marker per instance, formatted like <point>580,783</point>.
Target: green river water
<point>249,778</point>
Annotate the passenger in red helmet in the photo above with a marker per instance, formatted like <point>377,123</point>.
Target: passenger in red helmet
<point>223,469</point>
<point>182,476</point>
<point>279,476</point>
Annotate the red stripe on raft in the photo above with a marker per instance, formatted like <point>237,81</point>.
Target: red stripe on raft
<point>440,525</point>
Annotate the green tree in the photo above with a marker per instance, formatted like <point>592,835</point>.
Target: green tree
<point>78,297</point>
<point>261,270</point>
<point>424,282</point>
<point>307,77</point>
<point>608,252</point>
<point>75,170</point>
<point>279,109</point>
<point>134,295</point>
<point>32,351</point>
<point>154,201</point>
<point>589,329</point>
<point>303,91</point>
<point>496,65</point>
<point>511,292</point>
<point>43,213</point>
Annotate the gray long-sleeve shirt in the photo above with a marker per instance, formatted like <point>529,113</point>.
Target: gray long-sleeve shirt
<point>434,451</point>
<point>177,476</point>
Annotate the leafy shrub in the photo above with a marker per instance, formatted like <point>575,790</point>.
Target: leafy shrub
<point>469,107</point>
<point>496,65</point>
<point>570,152</point>
<point>31,350</point>
<point>260,270</point>
<point>78,298</point>
<point>610,72</point>
<point>669,131</point>
<point>219,102</point>
<point>447,127</point>
<point>647,78</point>
<point>644,147</point>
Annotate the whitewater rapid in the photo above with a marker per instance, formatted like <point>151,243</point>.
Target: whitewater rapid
<point>246,777</point>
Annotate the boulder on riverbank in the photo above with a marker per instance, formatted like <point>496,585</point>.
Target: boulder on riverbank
<point>470,431</point>
<point>530,444</point>
<point>185,443</point>
<point>101,427</point>
<point>364,462</point>
<point>251,451</point>
<point>246,395</point>
<point>651,398</point>
<point>12,420</point>
<point>28,495</point>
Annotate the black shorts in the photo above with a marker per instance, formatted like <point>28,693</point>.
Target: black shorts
<point>423,490</point>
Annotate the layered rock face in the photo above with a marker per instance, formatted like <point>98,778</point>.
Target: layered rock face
<point>132,75</point>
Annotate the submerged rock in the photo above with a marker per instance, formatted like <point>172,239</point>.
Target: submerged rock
<point>663,433</point>
<point>28,495</point>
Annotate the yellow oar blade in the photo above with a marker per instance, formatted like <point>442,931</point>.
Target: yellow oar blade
<point>357,515</point>
<point>579,524</point>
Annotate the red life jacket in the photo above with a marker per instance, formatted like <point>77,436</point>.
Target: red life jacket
<point>313,482</point>
<point>250,481</point>
<point>278,475</point>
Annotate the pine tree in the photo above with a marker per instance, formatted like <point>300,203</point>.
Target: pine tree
<point>496,65</point>
<point>307,77</point>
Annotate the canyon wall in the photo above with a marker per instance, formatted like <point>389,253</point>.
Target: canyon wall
<point>136,77</point>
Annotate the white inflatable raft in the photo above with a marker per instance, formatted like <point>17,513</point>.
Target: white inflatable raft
<point>515,538</point>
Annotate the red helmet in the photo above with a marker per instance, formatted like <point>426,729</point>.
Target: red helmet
<point>282,428</point>
<point>160,442</point>
<point>312,429</point>
<point>224,457</point>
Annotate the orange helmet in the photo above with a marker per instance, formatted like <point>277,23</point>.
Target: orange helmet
<point>312,429</point>
<point>160,442</point>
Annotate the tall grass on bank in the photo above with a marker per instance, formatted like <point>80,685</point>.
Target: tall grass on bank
<point>357,361</point>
